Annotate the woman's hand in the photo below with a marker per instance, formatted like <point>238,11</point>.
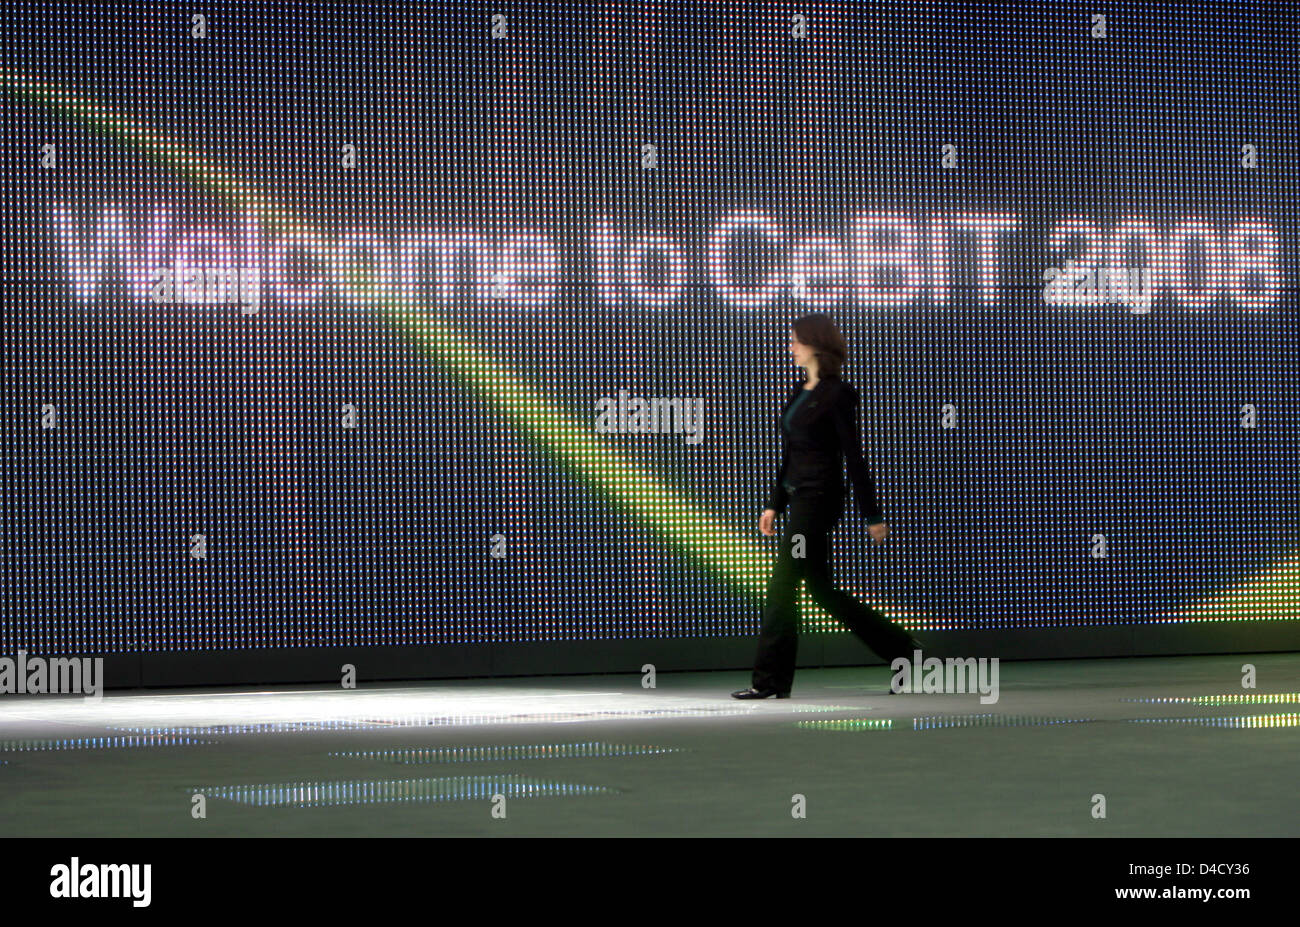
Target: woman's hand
<point>878,532</point>
<point>766,520</point>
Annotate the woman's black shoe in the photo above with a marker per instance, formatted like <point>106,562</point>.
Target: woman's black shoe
<point>759,693</point>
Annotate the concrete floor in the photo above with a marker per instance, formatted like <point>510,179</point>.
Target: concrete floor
<point>1175,745</point>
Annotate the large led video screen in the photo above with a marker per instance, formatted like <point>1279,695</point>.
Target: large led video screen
<point>367,323</point>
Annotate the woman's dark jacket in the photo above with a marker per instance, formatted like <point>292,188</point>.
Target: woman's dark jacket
<point>821,437</point>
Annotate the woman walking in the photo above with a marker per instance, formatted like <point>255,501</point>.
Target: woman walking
<point>819,428</point>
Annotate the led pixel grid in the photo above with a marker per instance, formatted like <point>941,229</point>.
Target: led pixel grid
<point>336,324</point>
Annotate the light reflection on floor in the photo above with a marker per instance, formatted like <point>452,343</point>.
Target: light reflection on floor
<point>352,709</point>
<point>684,759</point>
<point>496,753</point>
<point>1289,719</point>
<point>357,709</point>
<point>1247,698</point>
<point>935,723</point>
<point>453,788</point>
<point>101,743</point>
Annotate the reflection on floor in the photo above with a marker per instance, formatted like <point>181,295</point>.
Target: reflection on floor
<point>683,759</point>
<point>507,752</point>
<point>455,788</point>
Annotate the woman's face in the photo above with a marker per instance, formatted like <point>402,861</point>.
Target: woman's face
<point>801,353</point>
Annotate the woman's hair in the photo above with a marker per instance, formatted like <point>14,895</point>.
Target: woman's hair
<point>819,332</point>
